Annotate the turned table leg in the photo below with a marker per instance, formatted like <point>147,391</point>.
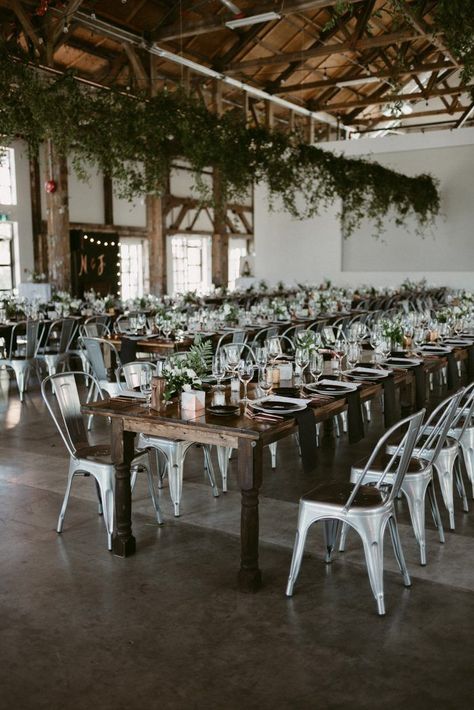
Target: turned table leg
<point>123,543</point>
<point>250,478</point>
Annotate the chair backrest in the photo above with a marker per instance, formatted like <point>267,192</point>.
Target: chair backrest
<point>70,422</point>
<point>399,460</point>
<point>434,431</point>
<point>263,334</point>
<point>95,348</point>
<point>331,334</point>
<point>30,328</point>
<point>60,334</point>
<point>246,351</point>
<point>93,330</point>
<point>465,411</point>
<point>132,372</point>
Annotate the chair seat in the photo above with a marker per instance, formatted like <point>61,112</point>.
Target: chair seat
<point>416,465</point>
<point>337,494</point>
<point>450,443</point>
<point>98,452</point>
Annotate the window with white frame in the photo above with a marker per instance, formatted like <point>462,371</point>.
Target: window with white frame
<point>237,249</point>
<point>190,263</point>
<point>7,177</point>
<point>133,267</point>
<point>6,261</point>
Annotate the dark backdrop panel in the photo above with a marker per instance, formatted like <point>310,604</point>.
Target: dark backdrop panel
<point>94,262</point>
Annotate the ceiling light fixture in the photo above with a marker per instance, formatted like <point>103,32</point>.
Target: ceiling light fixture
<point>252,20</point>
<point>233,8</point>
<point>359,80</point>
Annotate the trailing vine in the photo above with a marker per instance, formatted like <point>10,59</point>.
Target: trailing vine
<point>134,141</point>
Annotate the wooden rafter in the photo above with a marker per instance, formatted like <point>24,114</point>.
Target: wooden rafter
<point>382,40</point>
<point>214,23</point>
<point>67,14</point>
<point>27,25</point>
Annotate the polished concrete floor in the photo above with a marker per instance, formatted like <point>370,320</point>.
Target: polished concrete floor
<point>80,628</point>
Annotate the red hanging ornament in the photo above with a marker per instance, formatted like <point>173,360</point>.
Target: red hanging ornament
<point>43,8</point>
<point>50,186</point>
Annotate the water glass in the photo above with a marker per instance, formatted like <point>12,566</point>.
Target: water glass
<point>219,366</point>
<point>265,379</point>
<point>245,371</point>
<point>145,385</point>
<point>261,356</point>
<point>316,365</point>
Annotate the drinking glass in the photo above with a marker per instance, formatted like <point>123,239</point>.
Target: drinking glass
<point>133,323</point>
<point>245,371</point>
<point>166,328</point>
<point>232,353</point>
<point>141,321</point>
<point>219,365</point>
<point>273,346</point>
<point>301,361</point>
<point>352,354</point>
<point>265,379</point>
<point>261,356</point>
<point>316,364</point>
<point>339,350</point>
<point>145,385</point>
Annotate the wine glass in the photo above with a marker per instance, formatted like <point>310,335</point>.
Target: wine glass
<point>265,379</point>
<point>141,321</point>
<point>352,354</point>
<point>419,336</point>
<point>273,346</point>
<point>339,350</point>
<point>261,356</point>
<point>316,364</point>
<point>219,366</point>
<point>232,353</point>
<point>133,323</point>
<point>301,361</point>
<point>166,328</point>
<point>245,371</point>
<point>145,385</point>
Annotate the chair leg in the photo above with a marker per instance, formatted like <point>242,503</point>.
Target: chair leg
<point>331,530</point>
<point>344,532</point>
<point>175,477</point>
<point>398,550</point>
<point>467,448</point>
<point>373,549</point>
<point>153,496</point>
<point>100,509</point>
<point>210,470</point>
<point>223,461</point>
<point>107,497</point>
<point>415,493</point>
<point>273,453</point>
<point>435,512</point>
<point>298,549</point>
<point>444,466</point>
<point>71,474</point>
<point>460,484</point>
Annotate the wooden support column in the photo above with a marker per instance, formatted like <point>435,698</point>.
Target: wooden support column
<point>156,210</point>
<point>40,249</point>
<point>220,238</point>
<point>108,200</point>
<point>57,208</point>
<point>310,130</point>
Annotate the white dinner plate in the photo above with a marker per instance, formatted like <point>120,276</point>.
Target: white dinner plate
<point>331,387</point>
<point>289,405</point>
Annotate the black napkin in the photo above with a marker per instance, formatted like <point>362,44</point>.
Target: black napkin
<point>307,436</point>
<point>453,373</point>
<point>128,350</point>
<point>470,362</point>
<point>390,413</point>
<point>355,423</point>
<point>420,385</point>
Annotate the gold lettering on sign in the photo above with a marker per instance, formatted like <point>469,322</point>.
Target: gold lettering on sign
<point>101,266</point>
<point>83,268</point>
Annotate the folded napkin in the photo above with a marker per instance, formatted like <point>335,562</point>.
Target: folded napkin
<point>307,437</point>
<point>128,350</point>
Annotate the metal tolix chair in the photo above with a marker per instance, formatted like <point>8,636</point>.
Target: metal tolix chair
<point>442,454</point>
<point>23,360</point>
<point>55,351</point>
<point>418,480</point>
<point>87,459</point>
<point>366,508</point>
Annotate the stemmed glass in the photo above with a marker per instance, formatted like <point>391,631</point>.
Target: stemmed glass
<point>301,360</point>
<point>265,379</point>
<point>273,346</point>
<point>352,354</point>
<point>316,364</point>
<point>245,370</point>
<point>339,352</point>
<point>166,328</point>
<point>133,323</point>
<point>219,366</point>
<point>141,321</point>
<point>261,356</point>
<point>145,385</point>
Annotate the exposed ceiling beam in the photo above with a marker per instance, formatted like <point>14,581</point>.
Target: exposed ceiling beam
<point>363,20</point>
<point>323,83</point>
<point>27,25</point>
<point>423,28</point>
<point>390,98</point>
<point>367,43</point>
<point>214,23</point>
<point>141,76</point>
<point>67,15</point>
<point>468,113</point>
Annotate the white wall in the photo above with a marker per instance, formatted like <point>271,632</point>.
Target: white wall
<point>311,250</point>
<point>21,214</point>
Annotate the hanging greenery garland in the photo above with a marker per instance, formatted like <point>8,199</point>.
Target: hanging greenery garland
<point>135,141</point>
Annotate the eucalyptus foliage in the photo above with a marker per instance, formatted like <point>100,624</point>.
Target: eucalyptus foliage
<point>134,141</point>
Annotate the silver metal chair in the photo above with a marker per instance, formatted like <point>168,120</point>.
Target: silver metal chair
<point>97,349</point>
<point>55,351</point>
<point>85,458</point>
<point>366,508</point>
<point>442,454</point>
<point>418,480</point>
<point>23,361</point>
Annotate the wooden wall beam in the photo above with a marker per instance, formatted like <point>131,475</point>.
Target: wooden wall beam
<point>57,207</point>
